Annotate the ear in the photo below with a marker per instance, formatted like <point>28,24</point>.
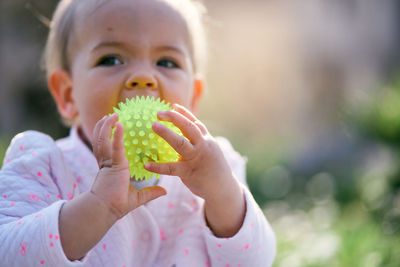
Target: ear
<point>61,85</point>
<point>198,91</point>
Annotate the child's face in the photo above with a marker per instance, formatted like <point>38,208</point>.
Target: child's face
<point>127,48</point>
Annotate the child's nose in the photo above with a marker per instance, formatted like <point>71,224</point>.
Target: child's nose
<point>141,82</point>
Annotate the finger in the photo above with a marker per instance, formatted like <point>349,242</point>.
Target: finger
<point>118,151</point>
<point>104,141</point>
<point>96,129</point>
<point>106,129</point>
<point>184,111</point>
<point>96,132</point>
<point>149,193</point>
<point>178,142</point>
<point>172,169</point>
<point>187,127</point>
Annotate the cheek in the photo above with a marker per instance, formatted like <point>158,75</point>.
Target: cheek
<point>181,97</point>
<point>98,94</point>
<point>179,91</point>
<point>93,105</point>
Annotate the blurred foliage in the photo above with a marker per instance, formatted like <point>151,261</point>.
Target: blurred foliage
<point>380,116</point>
<point>3,147</point>
<point>380,121</point>
<point>344,210</point>
<point>43,115</point>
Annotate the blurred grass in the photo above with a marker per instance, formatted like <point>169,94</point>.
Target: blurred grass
<point>353,239</point>
<point>364,241</point>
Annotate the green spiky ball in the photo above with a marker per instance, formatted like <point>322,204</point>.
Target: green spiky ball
<point>141,144</point>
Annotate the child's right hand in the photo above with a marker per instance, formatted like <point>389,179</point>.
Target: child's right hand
<point>110,198</point>
<point>112,184</point>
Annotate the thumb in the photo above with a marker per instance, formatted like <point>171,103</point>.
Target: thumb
<point>149,193</point>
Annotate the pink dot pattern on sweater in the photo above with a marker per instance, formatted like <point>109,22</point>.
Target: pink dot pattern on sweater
<point>162,234</point>
<point>23,247</point>
<point>33,197</point>
<point>145,235</point>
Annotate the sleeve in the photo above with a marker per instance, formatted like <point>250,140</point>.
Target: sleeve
<point>254,244</point>
<point>30,202</point>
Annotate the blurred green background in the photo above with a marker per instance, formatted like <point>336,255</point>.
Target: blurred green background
<point>308,91</point>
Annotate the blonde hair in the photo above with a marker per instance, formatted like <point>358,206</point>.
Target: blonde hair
<point>56,55</point>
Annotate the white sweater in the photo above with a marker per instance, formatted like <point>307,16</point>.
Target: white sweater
<point>39,175</point>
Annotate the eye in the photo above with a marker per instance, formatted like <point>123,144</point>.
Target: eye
<point>108,61</point>
<point>167,63</point>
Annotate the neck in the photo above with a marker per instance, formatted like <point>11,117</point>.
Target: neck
<point>84,138</point>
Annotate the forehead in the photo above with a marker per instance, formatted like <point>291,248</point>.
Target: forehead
<point>123,20</point>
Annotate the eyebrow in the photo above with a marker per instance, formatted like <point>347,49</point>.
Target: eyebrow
<point>107,44</point>
<point>122,45</point>
<point>169,48</point>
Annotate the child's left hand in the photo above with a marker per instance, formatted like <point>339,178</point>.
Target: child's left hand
<point>203,169</point>
<point>202,165</point>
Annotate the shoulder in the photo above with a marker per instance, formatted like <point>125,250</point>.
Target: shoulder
<point>29,145</point>
<point>27,178</point>
<point>30,139</point>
